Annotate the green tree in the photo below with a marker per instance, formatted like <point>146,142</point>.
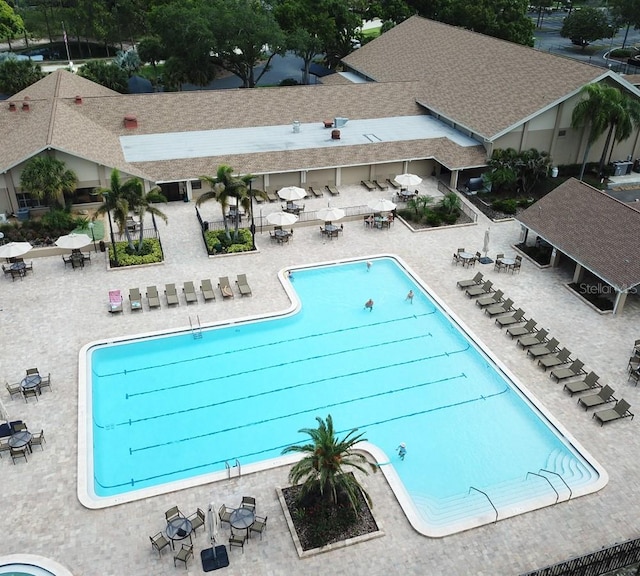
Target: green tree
<point>151,50</point>
<point>224,186</point>
<point>592,113</point>
<point>325,462</point>
<point>623,117</point>
<point>47,178</point>
<point>586,25</point>
<point>450,203</point>
<point>128,60</point>
<point>16,75</point>
<point>11,24</point>
<point>116,205</point>
<point>504,174</point>
<point>141,203</point>
<point>532,166</point>
<point>626,13</point>
<point>106,74</point>
<point>420,204</point>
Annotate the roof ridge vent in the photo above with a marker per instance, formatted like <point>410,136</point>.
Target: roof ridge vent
<point>130,121</point>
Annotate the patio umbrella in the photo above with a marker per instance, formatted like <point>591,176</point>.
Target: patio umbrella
<point>73,241</point>
<point>14,249</point>
<point>4,415</point>
<point>407,180</point>
<point>330,214</point>
<point>291,193</point>
<point>485,246</point>
<point>281,218</point>
<point>213,524</point>
<point>381,205</point>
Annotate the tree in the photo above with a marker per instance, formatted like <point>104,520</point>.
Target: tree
<point>586,25</point>
<point>106,74</point>
<point>46,177</point>
<point>323,466</point>
<point>141,203</point>
<point>128,60</point>
<point>116,203</point>
<point>151,50</point>
<point>623,114</point>
<point>11,24</point>
<point>16,75</point>
<point>224,185</point>
<point>627,13</point>
<point>592,113</point>
<point>503,174</point>
<point>533,166</point>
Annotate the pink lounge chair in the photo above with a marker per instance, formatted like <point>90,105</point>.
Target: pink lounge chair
<point>115,301</point>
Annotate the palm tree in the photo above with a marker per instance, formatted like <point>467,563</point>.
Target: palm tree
<point>46,177</point>
<point>322,466</point>
<point>141,203</point>
<point>624,117</point>
<point>117,203</point>
<point>592,112</point>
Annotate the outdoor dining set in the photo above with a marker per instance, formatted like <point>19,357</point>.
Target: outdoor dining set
<point>30,386</point>
<point>18,440</point>
<point>17,268</point>
<point>469,259</point>
<point>77,259</point>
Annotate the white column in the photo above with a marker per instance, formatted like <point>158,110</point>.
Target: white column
<point>618,305</point>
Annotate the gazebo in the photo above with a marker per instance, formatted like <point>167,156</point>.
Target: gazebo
<point>599,233</point>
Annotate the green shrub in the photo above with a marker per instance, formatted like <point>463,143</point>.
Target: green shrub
<point>507,206</point>
<point>288,82</point>
<point>623,53</point>
<point>217,242</point>
<point>433,218</point>
<point>151,253</point>
<point>59,219</point>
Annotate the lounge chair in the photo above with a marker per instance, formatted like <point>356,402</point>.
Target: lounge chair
<point>368,185</point>
<point>272,196</point>
<point>207,290</point>
<point>604,396</point>
<point>490,300</point>
<point>589,383</point>
<point>534,339</point>
<point>620,410</point>
<point>542,350</point>
<point>506,306</point>
<point>576,369</point>
<point>171,294</point>
<point>115,301</point>
<point>485,288</point>
<point>135,300</point>
<point>315,192</point>
<point>528,328</point>
<point>189,292</point>
<point>225,287</point>
<point>562,357</point>
<point>381,185</point>
<point>152,297</point>
<point>477,279</point>
<point>333,190</point>
<point>243,285</point>
<point>515,318</point>
<point>393,184</point>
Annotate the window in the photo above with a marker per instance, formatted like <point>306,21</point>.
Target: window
<point>196,185</point>
<point>562,133</point>
<point>26,201</point>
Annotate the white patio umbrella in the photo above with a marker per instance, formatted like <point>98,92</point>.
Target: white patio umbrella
<point>291,193</point>
<point>281,218</point>
<point>73,241</point>
<point>330,214</point>
<point>4,415</point>
<point>213,525</point>
<point>407,180</point>
<point>381,205</point>
<point>485,246</point>
<point>14,249</point>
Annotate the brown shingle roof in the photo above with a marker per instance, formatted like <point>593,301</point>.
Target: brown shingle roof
<point>596,230</point>
<point>480,82</point>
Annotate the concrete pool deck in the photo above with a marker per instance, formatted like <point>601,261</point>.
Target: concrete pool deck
<point>50,315</point>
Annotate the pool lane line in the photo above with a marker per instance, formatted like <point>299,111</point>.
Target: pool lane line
<point>270,391</point>
<point>265,345</point>
<point>325,407</point>
<point>182,471</point>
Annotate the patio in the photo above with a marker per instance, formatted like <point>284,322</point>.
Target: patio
<point>63,311</point>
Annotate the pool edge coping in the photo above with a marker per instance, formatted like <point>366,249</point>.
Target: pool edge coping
<point>36,561</point>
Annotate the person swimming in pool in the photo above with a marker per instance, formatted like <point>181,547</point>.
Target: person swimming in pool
<point>402,450</point>
<point>369,264</point>
<point>369,304</point>
<point>410,296</point>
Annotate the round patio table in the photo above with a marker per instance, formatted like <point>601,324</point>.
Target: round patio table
<point>179,529</point>
<point>242,519</point>
<point>20,439</point>
<point>31,381</point>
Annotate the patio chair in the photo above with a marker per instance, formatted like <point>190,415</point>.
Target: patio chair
<point>189,292</point>
<point>248,502</point>
<point>485,288</point>
<point>45,382</point>
<point>534,339</point>
<point>517,265</point>
<point>515,318</point>
<point>243,285</point>
<point>528,328</point>
<point>477,279</point>
<point>634,375</point>
<point>225,287</point>
<point>38,440</point>
<point>159,542</point>
<point>197,519</point>
<point>183,555</point>
<point>237,540</point>
<point>619,411</point>
<point>589,382</point>
<point>115,301</point>
<point>224,513</point>
<point>171,294</point>
<point>13,389</point>
<point>172,513</point>
<point>490,300</point>
<point>542,350</point>
<point>135,300</point>
<point>4,446</point>
<point>456,258</point>
<point>259,526</point>
<point>576,369</point>
<point>27,392</point>
<point>207,290</point>
<point>603,396</point>
<point>18,453</point>
<point>503,308</point>
<point>153,299</point>
<point>562,357</point>
<point>498,265</point>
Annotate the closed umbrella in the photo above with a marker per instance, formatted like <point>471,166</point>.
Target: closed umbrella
<point>4,415</point>
<point>291,193</point>
<point>381,205</point>
<point>407,180</point>
<point>73,241</point>
<point>281,218</point>
<point>330,214</point>
<point>14,249</point>
<point>213,525</point>
<point>485,246</point>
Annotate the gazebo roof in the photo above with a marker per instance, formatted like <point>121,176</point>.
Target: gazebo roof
<point>597,231</point>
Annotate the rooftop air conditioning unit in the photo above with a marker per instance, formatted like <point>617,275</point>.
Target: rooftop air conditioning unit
<point>339,122</point>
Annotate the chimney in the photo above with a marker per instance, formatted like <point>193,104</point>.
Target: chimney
<point>78,100</point>
<point>25,104</point>
<point>130,121</point>
<point>335,134</point>
<point>12,107</point>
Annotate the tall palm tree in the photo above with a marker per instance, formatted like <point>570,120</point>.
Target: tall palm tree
<point>592,112</point>
<point>46,177</point>
<point>221,187</point>
<point>325,458</point>
<point>624,117</point>
<point>141,203</point>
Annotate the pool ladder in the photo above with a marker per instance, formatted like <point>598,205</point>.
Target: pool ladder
<point>236,465</point>
<point>196,329</point>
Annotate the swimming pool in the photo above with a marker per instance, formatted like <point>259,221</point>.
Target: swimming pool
<point>30,565</point>
<point>173,410</point>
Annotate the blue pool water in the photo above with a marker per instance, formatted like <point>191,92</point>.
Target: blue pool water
<point>173,407</point>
